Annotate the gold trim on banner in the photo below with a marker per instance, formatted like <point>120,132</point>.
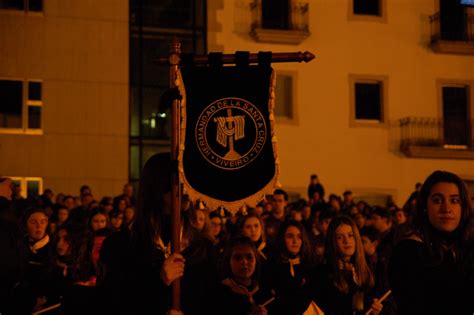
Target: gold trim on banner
<point>213,203</point>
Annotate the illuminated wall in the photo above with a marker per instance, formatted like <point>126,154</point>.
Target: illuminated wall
<point>365,159</point>
<point>79,50</point>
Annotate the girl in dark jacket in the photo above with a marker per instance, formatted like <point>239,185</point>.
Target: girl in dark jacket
<point>342,285</point>
<point>238,293</point>
<point>34,287</point>
<point>290,269</point>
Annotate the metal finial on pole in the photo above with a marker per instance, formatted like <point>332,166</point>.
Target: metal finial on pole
<point>174,60</point>
<point>253,58</point>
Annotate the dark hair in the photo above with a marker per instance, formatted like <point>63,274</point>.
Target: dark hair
<point>95,212</point>
<point>30,211</point>
<point>76,236</point>
<point>347,192</point>
<point>370,233</point>
<point>215,214</point>
<point>226,271</point>
<point>326,214</point>
<point>106,201</point>
<point>421,221</point>
<point>381,212</point>
<point>84,187</point>
<point>115,213</point>
<point>262,226</point>
<point>281,192</point>
<point>314,176</point>
<point>306,253</point>
<point>155,181</point>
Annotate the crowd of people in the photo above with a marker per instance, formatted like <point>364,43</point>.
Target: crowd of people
<point>315,255</point>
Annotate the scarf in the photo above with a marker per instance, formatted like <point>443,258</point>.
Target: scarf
<point>240,289</point>
<point>260,248</point>
<point>293,262</point>
<point>39,244</point>
<point>344,265</point>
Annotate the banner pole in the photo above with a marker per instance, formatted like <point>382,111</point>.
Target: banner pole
<point>174,60</point>
<point>253,58</point>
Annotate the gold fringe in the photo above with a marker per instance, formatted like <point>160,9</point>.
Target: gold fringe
<point>212,203</point>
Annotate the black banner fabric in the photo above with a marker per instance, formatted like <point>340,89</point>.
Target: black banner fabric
<point>228,158</point>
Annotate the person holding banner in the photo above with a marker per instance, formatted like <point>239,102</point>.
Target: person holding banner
<point>343,284</point>
<point>432,270</point>
<point>136,272</point>
<point>13,262</point>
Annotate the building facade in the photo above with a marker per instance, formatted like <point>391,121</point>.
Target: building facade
<point>387,100</point>
<point>64,85</point>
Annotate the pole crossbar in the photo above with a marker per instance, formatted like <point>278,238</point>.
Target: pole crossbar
<point>253,58</point>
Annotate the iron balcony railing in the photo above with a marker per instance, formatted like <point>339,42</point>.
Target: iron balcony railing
<point>295,17</point>
<point>459,30</point>
<point>431,132</point>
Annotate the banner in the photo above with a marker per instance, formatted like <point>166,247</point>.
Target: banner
<point>228,151</point>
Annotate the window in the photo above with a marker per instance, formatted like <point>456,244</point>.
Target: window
<point>22,105</point>
<point>453,19</point>
<point>368,10</point>
<point>275,14</point>
<point>455,116</point>
<point>367,7</point>
<point>152,26</point>
<point>30,187</point>
<point>285,97</point>
<point>368,100</point>
<point>22,5</point>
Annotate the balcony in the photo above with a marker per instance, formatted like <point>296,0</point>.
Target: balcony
<point>291,27</point>
<point>423,137</point>
<point>454,36</point>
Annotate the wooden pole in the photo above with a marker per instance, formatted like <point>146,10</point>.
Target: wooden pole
<point>253,58</point>
<point>174,60</point>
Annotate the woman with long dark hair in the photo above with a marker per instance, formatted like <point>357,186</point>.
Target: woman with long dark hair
<point>289,270</point>
<point>135,270</point>
<point>431,271</point>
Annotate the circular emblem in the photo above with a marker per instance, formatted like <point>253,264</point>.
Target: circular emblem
<point>230,133</point>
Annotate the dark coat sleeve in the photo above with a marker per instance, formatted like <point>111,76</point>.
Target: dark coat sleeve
<point>406,277</point>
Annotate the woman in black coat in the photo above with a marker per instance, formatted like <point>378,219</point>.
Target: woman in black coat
<point>289,270</point>
<point>135,274</point>
<point>34,287</point>
<point>431,271</point>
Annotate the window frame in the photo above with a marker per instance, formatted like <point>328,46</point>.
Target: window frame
<point>25,10</point>
<point>24,184</point>
<point>469,85</point>
<point>294,119</point>
<point>26,103</point>
<point>382,18</point>
<point>361,78</point>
